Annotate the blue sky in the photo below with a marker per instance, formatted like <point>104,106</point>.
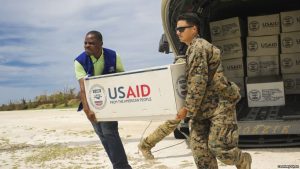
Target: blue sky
<point>39,40</point>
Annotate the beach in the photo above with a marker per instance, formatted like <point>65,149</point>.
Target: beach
<point>64,138</point>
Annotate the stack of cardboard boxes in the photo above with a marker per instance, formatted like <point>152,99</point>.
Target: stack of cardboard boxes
<point>227,35</point>
<point>263,45</point>
<point>264,84</point>
<point>290,51</point>
<point>267,61</point>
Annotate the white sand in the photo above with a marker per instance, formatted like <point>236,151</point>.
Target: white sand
<point>65,139</point>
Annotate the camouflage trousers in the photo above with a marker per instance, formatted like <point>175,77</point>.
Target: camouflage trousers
<point>216,137</point>
<point>160,133</point>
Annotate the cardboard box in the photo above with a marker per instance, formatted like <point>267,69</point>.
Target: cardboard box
<point>290,63</point>
<point>233,67</point>
<point>262,46</point>
<point>265,91</point>
<point>290,21</point>
<point>263,25</point>
<point>262,66</point>
<point>148,94</point>
<point>291,83</point>
<point>225,29</point>
<point>290,42</point>
<point>230,48</point>
<point>240,82</point>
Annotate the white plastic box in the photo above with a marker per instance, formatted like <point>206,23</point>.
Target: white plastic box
<point>265,91</point>
<point>147,94</point>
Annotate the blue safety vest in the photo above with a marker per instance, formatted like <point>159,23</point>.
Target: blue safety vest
<point>110,60</point>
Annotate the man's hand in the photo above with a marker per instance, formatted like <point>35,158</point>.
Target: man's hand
<point>91,116</point>
<point>182,113</point>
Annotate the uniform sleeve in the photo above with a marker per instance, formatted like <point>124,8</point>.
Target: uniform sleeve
<point>79,70</point>
<point>119,65</point>
<point>197,77</point>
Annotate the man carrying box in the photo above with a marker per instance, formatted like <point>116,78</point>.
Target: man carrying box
<point>211,100</point>
<point>97,61</point>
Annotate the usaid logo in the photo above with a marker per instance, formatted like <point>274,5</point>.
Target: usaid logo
<point>270,24</point>
<point>287,63</point>
<point>287,42</point>
<point>97,96</point>
<point>122,92</point>
<point>216,31</point>
<point>252,46</point>
<point>254,95</point>
<point>268,45</point>
<point>288,21</point>
<point>289,83</point>
<point>253,25</point>
<point>253,66</point>
<point>234,67</point>
<point>181,86</point>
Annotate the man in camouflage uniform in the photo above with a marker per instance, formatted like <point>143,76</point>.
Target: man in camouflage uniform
<point>211,99</point>
<point>159,133</point>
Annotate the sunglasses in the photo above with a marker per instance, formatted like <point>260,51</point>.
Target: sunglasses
<point>182,29</point>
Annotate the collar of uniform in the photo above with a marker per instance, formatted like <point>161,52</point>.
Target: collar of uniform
<point>94,59</point>
<point>195,39</point>
<point>193,42</point>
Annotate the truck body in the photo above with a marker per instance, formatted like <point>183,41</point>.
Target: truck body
<point>263,126</point>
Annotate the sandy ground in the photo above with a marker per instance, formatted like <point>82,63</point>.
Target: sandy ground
<point>65,139</point>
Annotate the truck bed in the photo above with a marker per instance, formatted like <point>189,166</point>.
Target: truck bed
<point>275,126</point>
